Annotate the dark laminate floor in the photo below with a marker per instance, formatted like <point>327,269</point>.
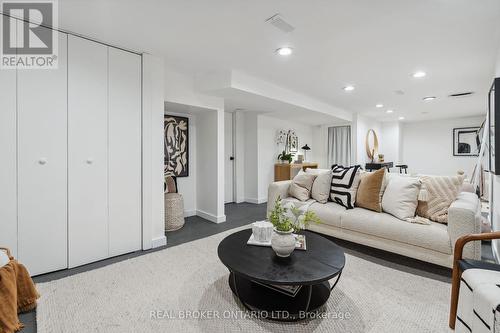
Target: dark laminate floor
<point>239,215</point>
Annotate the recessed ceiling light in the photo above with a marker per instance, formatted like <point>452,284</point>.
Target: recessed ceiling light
<point>429,98</point>
<point>349,88</point>
<point>389,111</point>
<point>379,105</point>
<point>401,118</point>
<point>419,74</point>
<point>284,51</point>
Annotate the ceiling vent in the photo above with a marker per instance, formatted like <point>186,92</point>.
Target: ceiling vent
<point>279,22</point>
<point>463,94</point>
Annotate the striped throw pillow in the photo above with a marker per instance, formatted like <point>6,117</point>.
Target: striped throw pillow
<point>345,182</point>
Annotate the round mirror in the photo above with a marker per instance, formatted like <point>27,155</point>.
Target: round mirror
<point>371,144</point>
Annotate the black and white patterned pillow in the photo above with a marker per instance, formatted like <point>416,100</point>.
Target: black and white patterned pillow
<point>345,182</point>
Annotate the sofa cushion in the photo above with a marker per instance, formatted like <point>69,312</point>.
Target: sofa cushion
<point>433,237</point>
<point>368,195</point>
<point>401,197</point>
<point>321,187</point>
<point>301,186</point>
<point>329,213</point>
<point>437,194</point>
<point>345,182</point>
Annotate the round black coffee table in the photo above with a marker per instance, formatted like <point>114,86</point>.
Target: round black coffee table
<point>254,268</point>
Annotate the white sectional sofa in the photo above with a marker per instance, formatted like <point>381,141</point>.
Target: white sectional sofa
<point>431,243</point>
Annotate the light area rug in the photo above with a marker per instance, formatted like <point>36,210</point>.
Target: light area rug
<point>153,292</point>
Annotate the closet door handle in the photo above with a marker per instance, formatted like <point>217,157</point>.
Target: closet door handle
<point>89,161</point>
<point>42,161</point>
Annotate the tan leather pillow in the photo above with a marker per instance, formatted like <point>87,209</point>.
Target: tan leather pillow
<point>301,186</point>
<point>368,195</point>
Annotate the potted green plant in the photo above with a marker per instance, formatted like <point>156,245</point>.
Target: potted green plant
<point>285,157</point>
<point>283,240</point>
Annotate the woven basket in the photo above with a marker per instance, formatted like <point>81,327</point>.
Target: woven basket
<point>174,211</point>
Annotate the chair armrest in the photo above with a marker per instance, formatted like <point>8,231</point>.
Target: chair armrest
<point>276,189</point>
<point>464,218</point>
<point>462,242</point>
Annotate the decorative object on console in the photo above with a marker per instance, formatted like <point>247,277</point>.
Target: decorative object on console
<point>464,141</point>
<point>305,148</point>
<point>176,145</point>
<point>381,158</point>
<point>371,144</point>
<point>301,186</point>
<point>300,159</point>
<point>370,187</point>
<point>344,185</point>
<point>285,157</point>
<point>283,241</point>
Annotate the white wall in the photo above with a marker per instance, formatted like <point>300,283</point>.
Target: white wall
<point>153,234</point>
<point>390,137</point>
<point>250,137</point>
<point>180,88</point>
<point>268,150</point>
<point>427,146</point>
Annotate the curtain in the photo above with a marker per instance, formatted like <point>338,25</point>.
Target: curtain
<point>339,145</point>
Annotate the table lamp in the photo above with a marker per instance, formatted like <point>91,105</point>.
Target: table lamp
<point>305,149</point>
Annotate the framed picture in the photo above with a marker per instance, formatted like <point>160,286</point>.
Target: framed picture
<point>176,145</point>
<point>465,141</point>
<point>293,143</point>
<point>494,119</point>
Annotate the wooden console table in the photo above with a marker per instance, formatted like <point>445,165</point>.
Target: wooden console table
<point>286,171</point>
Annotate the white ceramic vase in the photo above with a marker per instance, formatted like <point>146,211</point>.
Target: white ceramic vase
<point>283,243</point>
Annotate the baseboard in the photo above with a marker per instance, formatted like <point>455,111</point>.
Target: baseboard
<point>256,201</point>
<point>188,213</point>
<point>160,241</point>
<point>211,217</point>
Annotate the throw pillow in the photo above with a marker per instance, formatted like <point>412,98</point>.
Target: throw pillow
<point>369,190</point>
<point>437,194</point>
<point>345,182</point>
<point>301,186</point>
<point>321,186</point>
<point>401,197</point>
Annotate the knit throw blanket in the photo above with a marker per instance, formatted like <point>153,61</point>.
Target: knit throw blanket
<point>17,294</point>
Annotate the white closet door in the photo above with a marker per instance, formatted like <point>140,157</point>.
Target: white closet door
<point>42,166</point>
<point>124,152</point>
<point>8,143</point>
<point>87,151</point>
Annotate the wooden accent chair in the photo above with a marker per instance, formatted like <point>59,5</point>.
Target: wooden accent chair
<point>460,265</point>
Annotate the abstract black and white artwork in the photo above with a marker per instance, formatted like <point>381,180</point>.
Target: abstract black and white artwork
<point>465,141</point>
<point>176,132</point>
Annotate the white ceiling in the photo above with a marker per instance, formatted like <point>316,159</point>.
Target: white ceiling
<point>374,45</point>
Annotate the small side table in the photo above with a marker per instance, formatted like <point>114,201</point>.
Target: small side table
<point>174,211</point>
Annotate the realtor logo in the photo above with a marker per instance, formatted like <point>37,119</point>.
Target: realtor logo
<point>28,42</point>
